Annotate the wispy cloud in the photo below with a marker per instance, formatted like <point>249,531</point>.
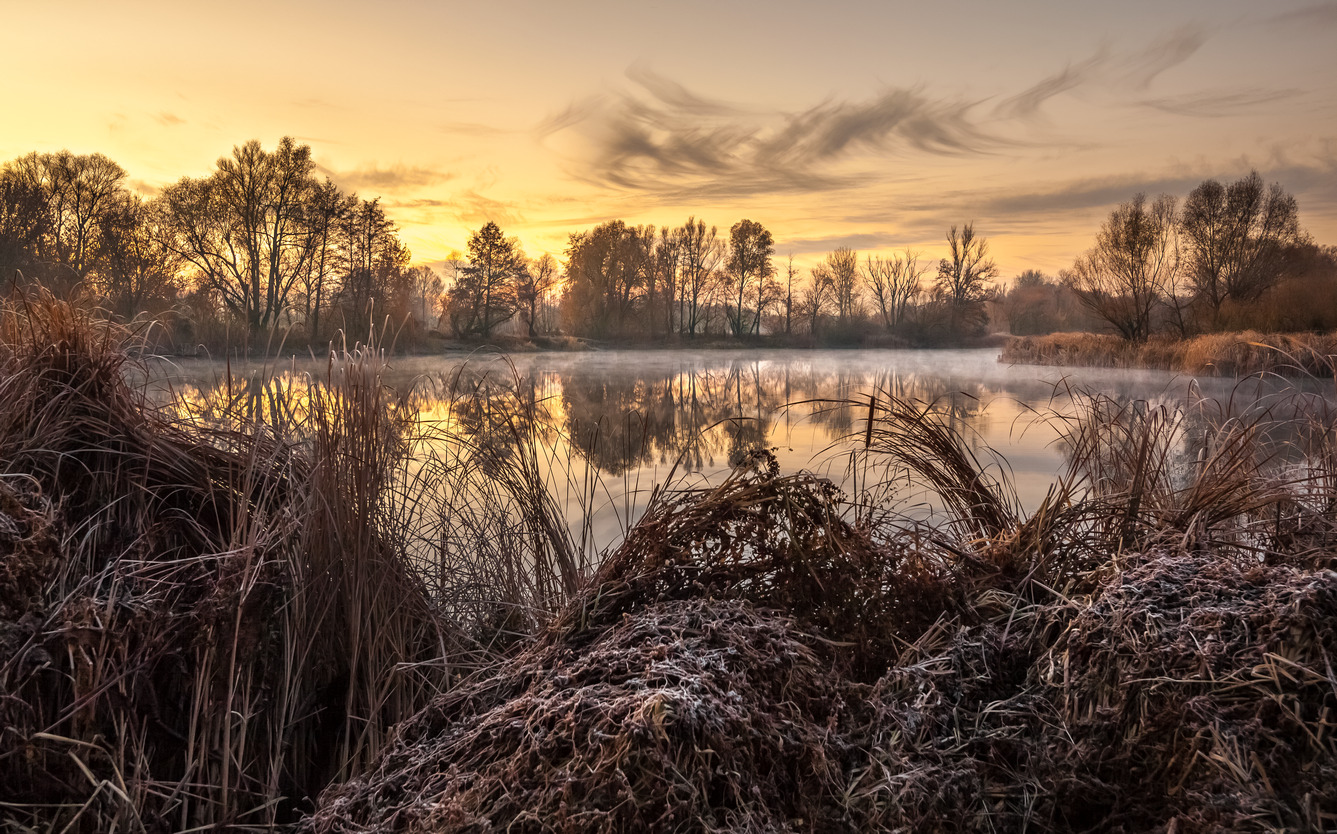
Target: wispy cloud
<point>475,209</point>
<point>1026,104</point>
<point>1318,14</point>
<point>1165,53</point>
<point>169,119</point>
<point>664,138</point>
<point>1214,104</point>
<point>387,180</point>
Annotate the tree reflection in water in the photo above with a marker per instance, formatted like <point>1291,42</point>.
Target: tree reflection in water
<point>628,414</point>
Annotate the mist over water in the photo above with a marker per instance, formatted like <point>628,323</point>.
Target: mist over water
<point>630,419</point>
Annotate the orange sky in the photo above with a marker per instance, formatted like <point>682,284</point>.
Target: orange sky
<point>869,124</point>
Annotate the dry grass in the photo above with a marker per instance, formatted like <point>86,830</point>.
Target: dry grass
<point>1149,650</point>
<point>201,628</point>
<point>1215,354</point>
<point>204,626</point>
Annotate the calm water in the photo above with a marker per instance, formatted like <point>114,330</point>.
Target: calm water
<point>629,417</point>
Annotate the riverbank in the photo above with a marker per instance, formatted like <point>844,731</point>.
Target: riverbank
<point>1217,354</point>
<point>314,625</point>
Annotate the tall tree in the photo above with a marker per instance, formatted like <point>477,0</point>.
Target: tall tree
<point>606,273</point>
<point>79,189</point>
<point>818,296</point>
<point>963,277</point>
<point>1123,278</point>
<point>23,222</point>
<point>894,283</point>
<point>325,209</point>
<point>135,267</point>
<point>484,294</point>
<point>843,265</point>
<point>537,281</point>
<point>750,249</point>
<point>700,253</point>
<point>244,228</point>
<point>1235,237</point>
<point>373,261</point>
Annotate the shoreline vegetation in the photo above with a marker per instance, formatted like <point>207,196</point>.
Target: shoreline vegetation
<point>1217,354</point>
<point>343,619</point>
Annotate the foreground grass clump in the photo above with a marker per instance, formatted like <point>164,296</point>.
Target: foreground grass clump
<point>1149,650</point>
<point>198,626</point>
<point>1215,354</point>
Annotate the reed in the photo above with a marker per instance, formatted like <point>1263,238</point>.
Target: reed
<point>1214,354</point>
<point>1147,650</point>
<point>204,625</point>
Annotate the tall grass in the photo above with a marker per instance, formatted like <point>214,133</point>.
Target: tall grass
<point>1214,354</point>
<point>206,624</point>
<point>216,621</point>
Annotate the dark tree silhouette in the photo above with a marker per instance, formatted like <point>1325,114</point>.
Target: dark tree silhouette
<point>484,294</point>
<point>748,268</point>
<point>1235,238</point>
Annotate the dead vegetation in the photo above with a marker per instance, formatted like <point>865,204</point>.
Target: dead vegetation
<point>200,628</point>
<point>1214,354</point>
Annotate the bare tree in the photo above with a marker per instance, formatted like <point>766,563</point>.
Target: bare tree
<point>243,229</point>
<point>963,278</point>
<point>1235,236</point>
<point>843,265</point>
<point>135,267</point>
<point>818,297</point>
<point>80,189</point>
<point>894,283</point>
<point>749,265</point>
<point>23,223</point>
<point>790,274</point>
<point>536,281</point>
<point>1124,277</point>
<point>700,252</point>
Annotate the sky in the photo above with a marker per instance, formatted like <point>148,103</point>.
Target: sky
<point>873,125</point>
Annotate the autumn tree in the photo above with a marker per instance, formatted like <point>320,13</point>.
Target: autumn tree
<point>894,283</point>
<point>606,271</point>
<point>963,278</point>
<point>1234,239</point>
<point>1124,277</point>
<point>748,268</point>
<point>484,294</point>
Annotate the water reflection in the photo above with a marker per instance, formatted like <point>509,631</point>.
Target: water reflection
<point>631,415</point>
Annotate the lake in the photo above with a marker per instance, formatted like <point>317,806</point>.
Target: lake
<point>616,423</point>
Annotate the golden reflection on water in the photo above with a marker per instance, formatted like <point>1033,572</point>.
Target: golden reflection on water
<point>629,418</point>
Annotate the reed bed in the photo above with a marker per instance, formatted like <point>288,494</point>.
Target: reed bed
<point>1148,650</point>
<point>202,627</point>
<point>1214,354</point>
<point>342,621</point>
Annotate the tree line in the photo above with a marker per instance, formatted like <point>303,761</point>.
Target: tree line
<point>258,245</point>
<point>262,245</point>
<point>1219,260</point>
